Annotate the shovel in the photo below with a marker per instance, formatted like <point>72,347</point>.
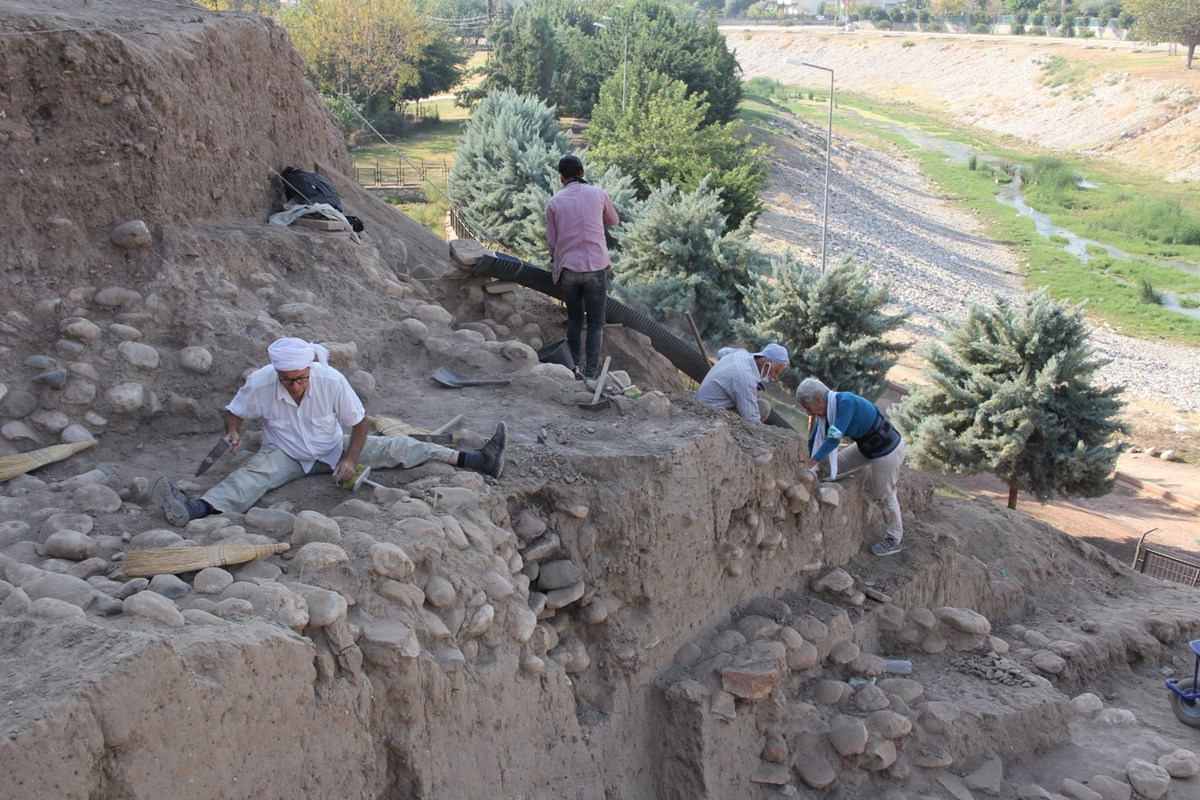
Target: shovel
<point>447,377</point>
<point>360,477</point>
<point>598,402</point>
<point>212,456</point>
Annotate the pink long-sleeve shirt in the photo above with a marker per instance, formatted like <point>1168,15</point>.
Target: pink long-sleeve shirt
<point>575,221</point>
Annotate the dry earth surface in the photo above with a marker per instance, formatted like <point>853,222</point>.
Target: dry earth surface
<point>653,602</point>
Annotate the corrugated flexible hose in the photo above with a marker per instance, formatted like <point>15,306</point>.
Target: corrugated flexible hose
<point>686,358</point>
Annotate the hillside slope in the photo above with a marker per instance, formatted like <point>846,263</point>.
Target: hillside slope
<point>1137,106</point>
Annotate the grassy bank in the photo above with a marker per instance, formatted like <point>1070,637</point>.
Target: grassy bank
<point>1140,214</point>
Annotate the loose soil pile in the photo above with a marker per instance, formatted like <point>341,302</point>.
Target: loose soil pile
<point>655,602</point>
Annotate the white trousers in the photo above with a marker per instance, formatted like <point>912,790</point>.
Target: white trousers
<point>269,469</point>
<point>883,473</point>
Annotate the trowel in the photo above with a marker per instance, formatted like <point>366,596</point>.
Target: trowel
<point>361,474</point>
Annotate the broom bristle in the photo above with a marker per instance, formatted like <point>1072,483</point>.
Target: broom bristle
<point>20,463</point>
<point>151,561</point>
<point>390,426</point>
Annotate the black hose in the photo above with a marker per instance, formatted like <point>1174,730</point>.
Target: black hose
<point>686,358</point>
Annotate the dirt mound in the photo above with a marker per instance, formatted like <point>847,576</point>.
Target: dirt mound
<point>653,602</point>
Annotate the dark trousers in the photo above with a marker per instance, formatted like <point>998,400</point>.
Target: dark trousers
<point>584,294</point>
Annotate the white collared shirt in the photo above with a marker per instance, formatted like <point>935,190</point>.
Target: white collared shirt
<point>308,432</point>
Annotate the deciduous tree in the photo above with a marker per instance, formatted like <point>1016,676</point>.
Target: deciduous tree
<point>367,49</point>
<point>1013,393</point>
<point>661,136</point>
<point>1175,21</point>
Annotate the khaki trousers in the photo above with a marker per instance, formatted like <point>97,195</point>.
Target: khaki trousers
<point>269,469</point>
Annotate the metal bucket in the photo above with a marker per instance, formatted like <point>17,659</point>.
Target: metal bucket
<point>557,353</point>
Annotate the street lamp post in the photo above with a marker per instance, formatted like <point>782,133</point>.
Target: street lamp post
<point>828,149</point>
<point>624,61</point>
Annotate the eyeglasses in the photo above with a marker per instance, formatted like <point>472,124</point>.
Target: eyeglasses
<point>294,381</point>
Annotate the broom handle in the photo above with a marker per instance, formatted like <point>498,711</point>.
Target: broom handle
<point>448,425</point>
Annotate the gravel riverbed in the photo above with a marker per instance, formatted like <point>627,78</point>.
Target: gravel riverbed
<point>883,209</point>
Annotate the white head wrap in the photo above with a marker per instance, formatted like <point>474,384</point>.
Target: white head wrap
<point>288,355</point>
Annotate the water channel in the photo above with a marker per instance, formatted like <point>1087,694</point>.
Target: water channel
<point>1011,195</point>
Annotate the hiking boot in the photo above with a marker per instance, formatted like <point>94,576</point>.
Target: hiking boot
<point>175,504</point>
<point>888,547</point>
<point>493,453</point>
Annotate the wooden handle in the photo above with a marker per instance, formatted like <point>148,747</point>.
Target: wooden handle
<point>448,425</point>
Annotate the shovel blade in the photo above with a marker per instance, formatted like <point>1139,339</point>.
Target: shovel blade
<point>212,456</point>
<point>447,377</point>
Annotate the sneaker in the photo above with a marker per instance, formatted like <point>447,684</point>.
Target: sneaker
<point>888,547</point>
<point>173,502</point>
<point>493,453</point>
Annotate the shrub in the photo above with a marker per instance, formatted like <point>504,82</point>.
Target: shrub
<point>935,27</point>
<point>1018,30</point>
<point>1148,294</point>
<point>1087,33</point>
<point>884,25</point>
<point>973,162</point>
<point>981,27</point>
<point>347,112</point>
<point>908,43</point>
<point>1189,302</point>
<point>391,123</point>
<point>1037,30</point>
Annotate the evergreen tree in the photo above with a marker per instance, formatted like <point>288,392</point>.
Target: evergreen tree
<point>833,323</point>
<point>1013,395</point>
<point>506,167</point>
<point>676,257</point>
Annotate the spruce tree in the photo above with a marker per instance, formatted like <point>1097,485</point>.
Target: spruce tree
<point>833,323</point>
<point>675,257</point>
<point>1013,394</point>
<point>506,168</point>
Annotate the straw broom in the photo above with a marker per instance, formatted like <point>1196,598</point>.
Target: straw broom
<point>20,463</point>
<point>151,561</point>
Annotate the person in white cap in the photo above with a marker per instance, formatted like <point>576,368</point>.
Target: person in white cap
<point>303,405</point>
<point>877,446</point>
<point>735,381</point>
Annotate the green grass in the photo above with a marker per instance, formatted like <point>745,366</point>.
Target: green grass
<point>1059,72</point>
<point>432,141</point>
<point>1109,286</point>
<point>431,213</point>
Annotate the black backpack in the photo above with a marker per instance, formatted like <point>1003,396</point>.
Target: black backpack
<point>309,188</point>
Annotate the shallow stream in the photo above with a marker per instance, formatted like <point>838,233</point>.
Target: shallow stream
<point>1011,194</point>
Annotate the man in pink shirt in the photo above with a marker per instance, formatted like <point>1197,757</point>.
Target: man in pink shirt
<point>575,221</point>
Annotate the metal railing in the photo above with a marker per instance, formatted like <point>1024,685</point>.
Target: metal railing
<point>400,175</point>
<point>1165,566</point>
